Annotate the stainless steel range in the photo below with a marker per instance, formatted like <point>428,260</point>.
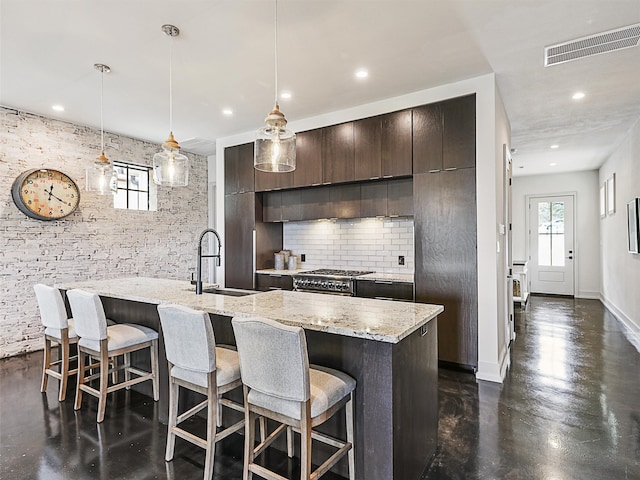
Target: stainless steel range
<point>327,280</point>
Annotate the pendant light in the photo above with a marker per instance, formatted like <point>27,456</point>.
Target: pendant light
<point>101,176</point>
<point>275,145</point>
<point>170,167</point>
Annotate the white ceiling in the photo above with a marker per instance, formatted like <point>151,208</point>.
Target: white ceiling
<point>223,58</point>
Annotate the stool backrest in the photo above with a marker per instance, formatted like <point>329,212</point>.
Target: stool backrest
<point>188,338</point>
<point>89,318</point>
<point>273,357</point>
<point>52,310</point>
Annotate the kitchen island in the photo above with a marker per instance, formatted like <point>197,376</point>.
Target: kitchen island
<point>390,348</point>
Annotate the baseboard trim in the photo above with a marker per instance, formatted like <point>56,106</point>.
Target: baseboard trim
<point>589,295</point>
<point>630,327</point>
<point>494,372</point>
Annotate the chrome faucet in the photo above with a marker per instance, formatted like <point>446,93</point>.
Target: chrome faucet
<point>201,256</point>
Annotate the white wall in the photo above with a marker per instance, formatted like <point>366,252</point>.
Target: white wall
<point>587,226</point>
<point>489,195</point>
<point>621,270</point>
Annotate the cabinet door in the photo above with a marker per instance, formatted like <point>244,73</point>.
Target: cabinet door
<point>367,148</point>
<point>267,181</point>
<point>345,201</point>
<point>315,203</point>
<point>338,153</point>
<point>396,144</point>
<point>427,138</point>
<point>238,169</point>
<point>373,199</point>
<point>239,223</point>
<point>308,170</point>
<point>291,208</point>
<point>446,259</point>
<point>384,290</point>
<point>266,282</point>
<point>272,207</point>
<point>400,198</point>
<point>459,132</point>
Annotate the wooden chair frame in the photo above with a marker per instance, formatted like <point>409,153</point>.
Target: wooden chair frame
<point>305,428</point>
<point>63,362</point>
<point>104,356</point>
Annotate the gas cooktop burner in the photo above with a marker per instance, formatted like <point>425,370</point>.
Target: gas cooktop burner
<point>337,273</point>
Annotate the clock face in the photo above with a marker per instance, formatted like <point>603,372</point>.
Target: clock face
<point>45,194</point>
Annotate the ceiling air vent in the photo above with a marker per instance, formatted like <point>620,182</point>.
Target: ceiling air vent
<point>604,42</point>
<point>199,146</point>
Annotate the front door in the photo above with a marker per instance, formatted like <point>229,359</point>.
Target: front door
<point>551,251</point>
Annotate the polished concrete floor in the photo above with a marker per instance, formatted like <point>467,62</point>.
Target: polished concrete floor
<point>569,409</point>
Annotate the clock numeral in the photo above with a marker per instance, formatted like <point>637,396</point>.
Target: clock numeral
<point>26,191</point>
<point>30,181</point>
<point>69,203</point>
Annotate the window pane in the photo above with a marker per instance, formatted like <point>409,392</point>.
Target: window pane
<point>143,179</point>
<point>544,217</point>
<point>143,200</point>
<point>557,217</point>
<point>133,200</point>
<point>120,199</point>
<point>557,249</point>
<point>544,250</point>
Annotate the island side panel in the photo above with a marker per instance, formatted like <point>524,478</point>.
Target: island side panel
<point>415,402</point>
<point>369,362</point>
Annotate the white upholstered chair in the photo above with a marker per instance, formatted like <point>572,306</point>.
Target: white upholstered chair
<point>197,364</point>
<point>279,384</point>
<point>97,339</point>
<point>58,329</point>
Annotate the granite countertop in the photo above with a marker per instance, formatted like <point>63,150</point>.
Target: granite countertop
<point>388,277</point>
<point>380,320</point>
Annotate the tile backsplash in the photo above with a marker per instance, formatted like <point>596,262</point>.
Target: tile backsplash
<point>360,244</point>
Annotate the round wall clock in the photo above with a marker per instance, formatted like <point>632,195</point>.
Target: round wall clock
<point>45,194</point>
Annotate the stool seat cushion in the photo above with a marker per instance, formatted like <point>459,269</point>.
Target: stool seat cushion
<point>227,370</point>
<point>328,387</point>
<point>121,335</point>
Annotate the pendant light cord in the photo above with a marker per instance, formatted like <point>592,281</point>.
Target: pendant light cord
<point>102,108</point>
<point>276,53</point>
<point>170,83</point>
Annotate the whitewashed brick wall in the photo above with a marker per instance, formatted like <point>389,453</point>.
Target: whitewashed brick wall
<point>360,244</point>
<point>96,241</point>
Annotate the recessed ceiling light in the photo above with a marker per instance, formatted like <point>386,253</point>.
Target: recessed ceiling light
<point>58,108</point>
<point>227,111</point>
<point>554,146</point>
<point>285,95</point>
<point>362,73</point>
<point>578,96</point>
<point>553,164</point>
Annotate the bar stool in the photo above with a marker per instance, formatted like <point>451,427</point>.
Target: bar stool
<point>108,342</point>
<point>58,329</point>
<point>197,364</point>
<point>280,384</point>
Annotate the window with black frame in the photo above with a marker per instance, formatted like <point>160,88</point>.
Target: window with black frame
<point>133,186</point>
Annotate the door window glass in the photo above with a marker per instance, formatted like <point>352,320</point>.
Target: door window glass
<point>551,234</point>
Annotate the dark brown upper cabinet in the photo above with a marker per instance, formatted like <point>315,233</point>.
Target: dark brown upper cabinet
<point>345,201</point>
<point>373,199</point>
<point>338,153</point>
<point>238,169</point>
<point>291,207</point>
<point>459,133</point>
<point>400,197</point>
<point>315,203</point>
<point>396,150</point>
<point>367,148</point>
<point>308,170</point>
<point>266,181</point>
<point>427,139</point>
<point>272,206</point>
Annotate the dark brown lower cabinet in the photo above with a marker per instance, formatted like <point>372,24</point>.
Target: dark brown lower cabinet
<point>243,217</point>
<point>384,290</point>
<point>446,259</point>
<point>273,281</point>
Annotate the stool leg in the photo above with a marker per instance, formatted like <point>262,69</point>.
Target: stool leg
<point>80,379</point>
<point>64,367</point>
<point>263,428</point>
<point>351,454</point>
<point>249,437</point>
<point>212,419</point>
<point>46,363</point>
<point>219,414</point>
<point>127,366</point>
<point>104,379</point>
<point>155,381</point>
<point>289,442</point>
<point>173,415</point>
<point>305,440</point>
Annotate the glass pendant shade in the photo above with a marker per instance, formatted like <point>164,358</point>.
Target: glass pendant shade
<point>275,145</point>
<point>101,177</point>
<point>170,167</point>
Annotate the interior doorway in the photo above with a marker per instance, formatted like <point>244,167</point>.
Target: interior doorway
<point>551,244</point>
